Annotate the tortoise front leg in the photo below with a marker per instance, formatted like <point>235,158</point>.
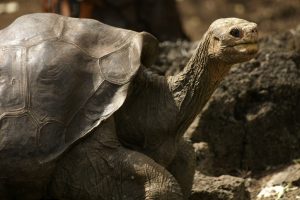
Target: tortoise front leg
<point>125,175</point>
<point>183,167</point>
<point>139,170</point>
<point>100,169</point>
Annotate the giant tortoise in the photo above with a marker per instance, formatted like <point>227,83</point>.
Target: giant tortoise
<point>83,116</point>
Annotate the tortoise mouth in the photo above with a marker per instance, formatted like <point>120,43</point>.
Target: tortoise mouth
<point>247,47</point>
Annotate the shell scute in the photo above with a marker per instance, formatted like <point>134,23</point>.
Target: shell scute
<point>59,79</point>
<point>12,80</point>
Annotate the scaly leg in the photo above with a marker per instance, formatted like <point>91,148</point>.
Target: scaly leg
<point>99,168</point>
<point>183,167</point>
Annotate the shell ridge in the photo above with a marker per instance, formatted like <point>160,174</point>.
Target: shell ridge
<point>15,72</point>
<point>85,133</point>
<point>122,71</point>
<point>84,103</point>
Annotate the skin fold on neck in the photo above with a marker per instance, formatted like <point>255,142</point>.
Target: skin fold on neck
<point>192,87</point>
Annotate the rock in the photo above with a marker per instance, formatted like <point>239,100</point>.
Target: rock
<point>219,188</point>
<point>282,183</point>
<point>290,175</point>
<point>203,158</point>
<point>173,56</point>
<point>252,120</point>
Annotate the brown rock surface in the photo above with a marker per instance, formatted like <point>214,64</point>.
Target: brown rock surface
<point>219,188</point>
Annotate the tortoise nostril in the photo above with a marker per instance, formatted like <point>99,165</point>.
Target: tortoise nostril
<point>254,30</point>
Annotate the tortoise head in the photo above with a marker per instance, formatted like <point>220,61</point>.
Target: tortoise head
<point>232,40</point>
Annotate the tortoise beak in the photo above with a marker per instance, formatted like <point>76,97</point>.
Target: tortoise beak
<point>249,42</point>
<point>249,48</point>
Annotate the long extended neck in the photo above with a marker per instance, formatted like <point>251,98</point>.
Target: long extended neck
<point>192,87</point>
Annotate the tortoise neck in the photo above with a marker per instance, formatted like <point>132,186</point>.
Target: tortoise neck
<point>192,87</point>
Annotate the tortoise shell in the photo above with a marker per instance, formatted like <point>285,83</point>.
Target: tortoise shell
<point>59,79</point>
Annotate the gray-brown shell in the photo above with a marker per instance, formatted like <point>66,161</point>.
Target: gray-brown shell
<point>59,78</point>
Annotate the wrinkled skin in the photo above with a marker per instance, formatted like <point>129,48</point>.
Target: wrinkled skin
<point>102,169</point>
<point>138,153</point>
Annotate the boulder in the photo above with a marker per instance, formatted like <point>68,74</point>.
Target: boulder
<point>204,158</point>
<point>219,188</point>
<point>289,175</point>
<point>283,183</point>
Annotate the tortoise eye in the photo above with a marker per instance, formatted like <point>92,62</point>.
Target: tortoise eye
<point>235,32</point>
